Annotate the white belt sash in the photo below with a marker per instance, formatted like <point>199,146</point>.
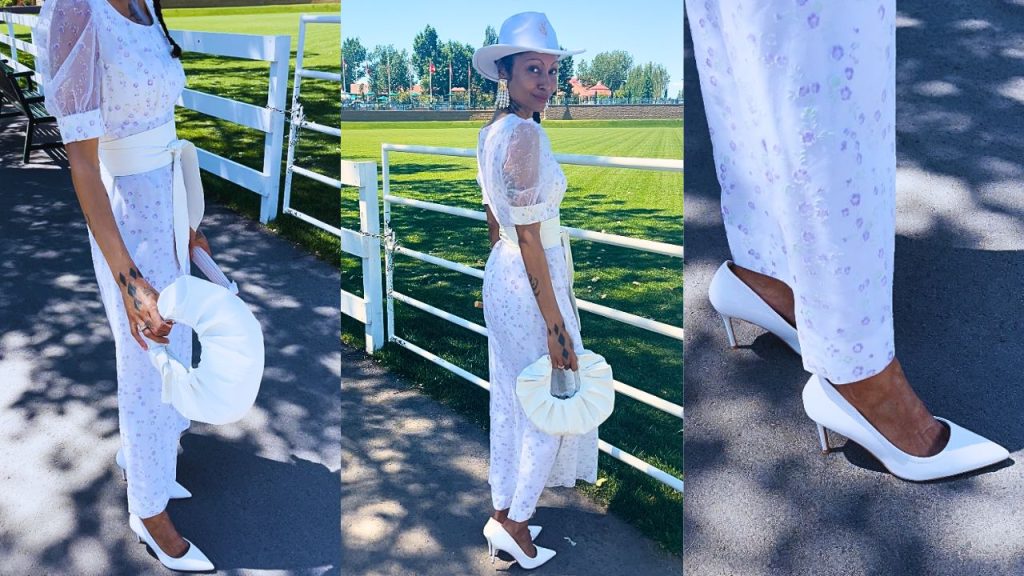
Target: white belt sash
<point>152,149</point>
<point>551,236</point>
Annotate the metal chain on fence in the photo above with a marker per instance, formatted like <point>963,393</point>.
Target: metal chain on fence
<point>390,246</point>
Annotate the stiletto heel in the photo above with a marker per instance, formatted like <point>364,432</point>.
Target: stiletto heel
<point>965,451</point>
<point>823,438</point>
<point>728,330</point>
<point>192,561</point>
<point>502,540</point>
<point>732,298</point>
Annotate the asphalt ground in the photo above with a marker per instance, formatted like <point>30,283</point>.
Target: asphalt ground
<point>266,488</point>
<point>415,495</point>
<point>760,498</point>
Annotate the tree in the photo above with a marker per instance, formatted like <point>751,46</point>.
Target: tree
<point>490,36</point>
<point>660,79</point>
<point>425,51</point>
<point>585,74</point>
<point>389,70</point>
<point>461,58</point>
<point>482,85</point>
<point>353,56</point>
<point>565,74</point>
<point>612,68</point>
<point>647,81</point>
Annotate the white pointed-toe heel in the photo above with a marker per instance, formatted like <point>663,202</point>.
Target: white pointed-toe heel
<point>965,451</point>
<point>493,524</point>
<point>732,298</point>
<point>500,540</point>
<point>175,492</point>
<point>193,561</point>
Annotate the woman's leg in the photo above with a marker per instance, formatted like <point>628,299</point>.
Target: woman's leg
<point>149,428</point>
<point>504,445</point>
<point>801,105</point>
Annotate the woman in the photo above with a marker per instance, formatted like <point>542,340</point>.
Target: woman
<point>528,302</point>
<point>112,76</point>
<point>800,100</point>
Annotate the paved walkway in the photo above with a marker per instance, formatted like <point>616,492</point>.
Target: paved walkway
<point>266,489</point>
<point>415,494</point>
<point>760,499</point>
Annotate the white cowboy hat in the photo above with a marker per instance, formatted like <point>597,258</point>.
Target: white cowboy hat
<point>524,32</point>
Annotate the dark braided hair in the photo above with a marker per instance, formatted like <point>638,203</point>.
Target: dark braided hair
<point>507,63</point>
<point>175,49</point>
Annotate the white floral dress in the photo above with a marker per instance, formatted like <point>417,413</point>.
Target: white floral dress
<point>522,183</point>
<point>108,77</point>
<point>801,103</point>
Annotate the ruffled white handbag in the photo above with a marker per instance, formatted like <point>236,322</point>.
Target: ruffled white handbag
<point>223,387</point>
<point>592,403</point>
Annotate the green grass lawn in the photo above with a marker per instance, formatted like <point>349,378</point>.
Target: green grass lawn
<point>627,202</point>
<point>247,81</point>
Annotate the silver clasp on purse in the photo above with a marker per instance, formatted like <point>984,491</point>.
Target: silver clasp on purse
<point>564,383</point>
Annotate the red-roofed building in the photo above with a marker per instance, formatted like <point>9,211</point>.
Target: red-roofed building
<point>599,89</point>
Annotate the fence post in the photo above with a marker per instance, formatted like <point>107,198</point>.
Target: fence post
<point>369,225</point>
<point>10,34</point>
<point>273,142</point>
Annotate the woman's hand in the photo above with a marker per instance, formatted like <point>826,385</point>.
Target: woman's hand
<point>140,301</point>
<point>560,348</point>
<point>197,239</point>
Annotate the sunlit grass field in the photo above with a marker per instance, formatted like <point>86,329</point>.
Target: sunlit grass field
<point>247,81</point>
<point>640,204</point>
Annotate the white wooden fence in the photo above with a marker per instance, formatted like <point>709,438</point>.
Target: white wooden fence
<point>268,119</point>
<point>672,250</point>
<point>365,245</point>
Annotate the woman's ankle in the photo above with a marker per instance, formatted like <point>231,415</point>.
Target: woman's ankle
<point>890,404</point>
<point>773,291</point>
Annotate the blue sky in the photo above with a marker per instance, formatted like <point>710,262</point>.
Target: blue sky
<point>650,30</point>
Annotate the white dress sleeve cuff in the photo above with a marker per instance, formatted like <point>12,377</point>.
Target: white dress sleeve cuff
<point>81,126</point>
<point>523,215</point>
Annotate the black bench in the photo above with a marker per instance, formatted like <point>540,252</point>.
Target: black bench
<point>27,102</point>
<point>29,92</point>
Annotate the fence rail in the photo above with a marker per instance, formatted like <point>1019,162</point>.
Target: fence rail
<point>268,119</point>
<point>299,122</point>
<point>393,249</point>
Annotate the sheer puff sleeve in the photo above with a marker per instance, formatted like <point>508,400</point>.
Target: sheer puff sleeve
<point>71,68</point>
<point>522,175</point>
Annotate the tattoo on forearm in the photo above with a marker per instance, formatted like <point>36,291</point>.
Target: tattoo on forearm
<point>535,285</point>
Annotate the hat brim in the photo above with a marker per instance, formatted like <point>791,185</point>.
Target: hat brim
<point>485,59</point>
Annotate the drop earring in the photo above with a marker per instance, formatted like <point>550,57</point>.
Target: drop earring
<point>501,101</point>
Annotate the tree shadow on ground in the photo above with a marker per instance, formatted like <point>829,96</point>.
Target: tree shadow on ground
<point>415,493</point>
<point>272,477</point>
